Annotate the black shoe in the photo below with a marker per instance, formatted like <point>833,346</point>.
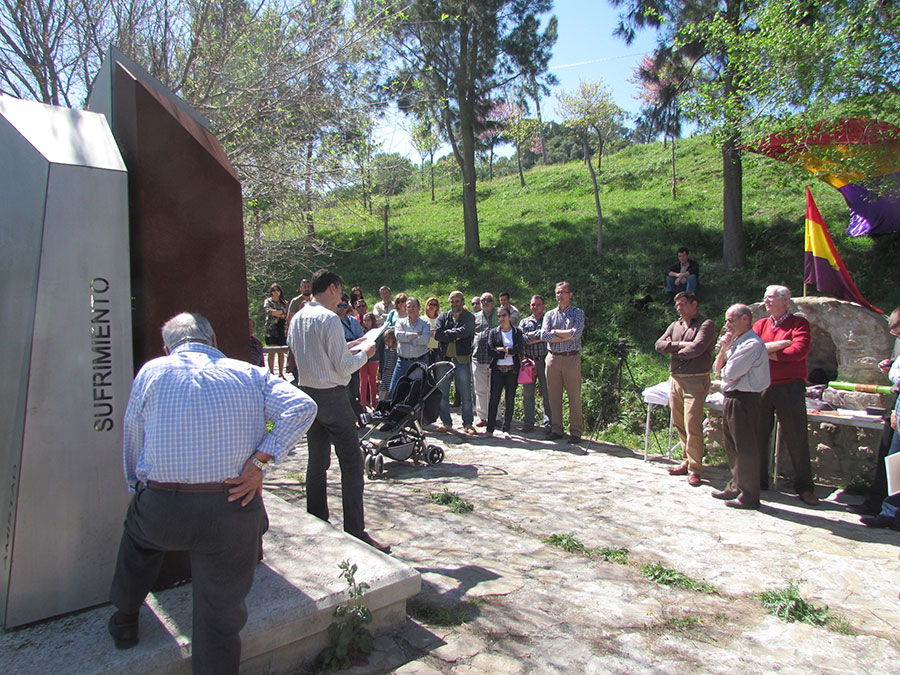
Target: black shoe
<point>367,538</point>
<point>124,630</point>
<point>553,436</point>
<point>865,509</point>
<point>880,520</point>
<point>528,429</point>
<point>574,440</point>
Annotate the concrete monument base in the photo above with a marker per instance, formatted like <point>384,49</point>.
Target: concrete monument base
<point>291,605</point>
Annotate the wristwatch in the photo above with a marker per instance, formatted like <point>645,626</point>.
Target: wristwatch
<point>258,463</point>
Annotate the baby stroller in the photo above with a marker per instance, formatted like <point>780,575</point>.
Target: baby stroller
<point>396,425</point>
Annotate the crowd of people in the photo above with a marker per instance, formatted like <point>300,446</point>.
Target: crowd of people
<point>236,418</point>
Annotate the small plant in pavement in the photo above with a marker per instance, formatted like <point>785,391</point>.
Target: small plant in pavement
<point>789,605</point>
<point>453,500</point>
<point>349,641</point>
<point>668,576</point>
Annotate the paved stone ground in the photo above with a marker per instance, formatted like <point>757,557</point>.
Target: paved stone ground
<point>527,606</point>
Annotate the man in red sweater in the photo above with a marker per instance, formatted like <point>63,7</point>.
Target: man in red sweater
<point>787,338</point>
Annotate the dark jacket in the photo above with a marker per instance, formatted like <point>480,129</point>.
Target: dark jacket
<point>462,333</point>
<point>496,340</point>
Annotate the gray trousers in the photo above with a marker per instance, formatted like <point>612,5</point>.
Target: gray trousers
<point>335,424</point>
<point>223,540</point>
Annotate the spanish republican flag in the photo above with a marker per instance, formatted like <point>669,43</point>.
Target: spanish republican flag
<point>822,264</point>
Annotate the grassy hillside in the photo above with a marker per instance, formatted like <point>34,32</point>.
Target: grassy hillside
<point>534,236</point>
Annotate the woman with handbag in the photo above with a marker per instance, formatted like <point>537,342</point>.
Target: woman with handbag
<point>505,346</point>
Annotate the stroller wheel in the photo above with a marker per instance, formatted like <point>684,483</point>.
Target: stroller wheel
<point>370,466</point>
<point>435,454</point>
<point>379,465</point>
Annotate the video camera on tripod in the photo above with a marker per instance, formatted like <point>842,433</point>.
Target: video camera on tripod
<point>622,348</point>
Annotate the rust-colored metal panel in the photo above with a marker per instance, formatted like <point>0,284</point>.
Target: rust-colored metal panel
<point>187,237</point>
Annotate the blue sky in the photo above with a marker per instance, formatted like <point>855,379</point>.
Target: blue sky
<point>585,50</point>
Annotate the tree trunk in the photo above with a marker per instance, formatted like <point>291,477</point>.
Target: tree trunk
<point>537,104</point>
<point>387,208</point>
<point>590,165</point>
<point>491,164</point>
<point>307,191</point>
<point>519,163</point>
<point>432,175</point>
<point>733,254</point>
<point>673,168</point>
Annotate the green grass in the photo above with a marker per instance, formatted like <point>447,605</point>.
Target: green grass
<point>534,236</point>
<point>567,542</point>
<point>570,544</point>
<point>668,576</point>
<point>453,500</point>
<point>787,604</point>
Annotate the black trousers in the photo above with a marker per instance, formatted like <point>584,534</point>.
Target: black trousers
<point>223,540</point>
<point>788,402</point>
<point>741,417</point>
<point>502,382</point>
<point>335,424</point>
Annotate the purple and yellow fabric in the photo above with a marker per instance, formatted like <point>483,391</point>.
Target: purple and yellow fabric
<point>858,157</point>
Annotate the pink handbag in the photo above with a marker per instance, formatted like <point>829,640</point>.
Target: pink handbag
<point>526,371</point>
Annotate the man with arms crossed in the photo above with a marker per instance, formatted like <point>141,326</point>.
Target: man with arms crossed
<point>536,350</point>
<point>787,338</point>
<point>454,330</point>
<point>562,328</point>
<point>196,445</point>
<point>326,364</point>
<point>689,342</point>
<point>742,365</point>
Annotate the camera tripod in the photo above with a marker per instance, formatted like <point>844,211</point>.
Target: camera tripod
<point>622,367</point>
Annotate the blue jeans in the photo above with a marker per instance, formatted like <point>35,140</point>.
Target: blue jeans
<point>462,377</point>
<point>691,284</point>
<point>890,507</point>
<point>401,369</point>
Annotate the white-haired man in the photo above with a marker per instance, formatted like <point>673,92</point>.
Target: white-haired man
<point>196,445</point>
<point>788,339</point>
<point>741,363</point>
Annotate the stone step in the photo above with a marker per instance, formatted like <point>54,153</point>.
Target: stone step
<point>295,591</point>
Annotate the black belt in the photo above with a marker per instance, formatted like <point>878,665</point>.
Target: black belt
<point>575,353</point>
<point>187,487</point>
<point>412,358</point>
<point>741,394</point>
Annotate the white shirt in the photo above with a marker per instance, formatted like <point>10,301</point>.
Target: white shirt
<point>316,337</point>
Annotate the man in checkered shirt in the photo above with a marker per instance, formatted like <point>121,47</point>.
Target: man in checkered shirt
<point>196,445</point>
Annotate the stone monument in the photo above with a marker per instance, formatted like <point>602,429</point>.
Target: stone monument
<point>66,368</point>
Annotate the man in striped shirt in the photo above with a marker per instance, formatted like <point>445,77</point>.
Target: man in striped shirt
<point>196,445</point>
<point>325,363</point>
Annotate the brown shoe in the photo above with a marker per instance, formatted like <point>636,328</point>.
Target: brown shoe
<point>809,498</point>
<point>725,494</point>
<point>481,423</point>
<point>693,479</point>
<point>738,504</point>
<point>680,470</point>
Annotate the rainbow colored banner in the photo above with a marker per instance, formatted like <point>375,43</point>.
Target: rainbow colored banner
<point>822,264</point>
<point>858,157</point>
